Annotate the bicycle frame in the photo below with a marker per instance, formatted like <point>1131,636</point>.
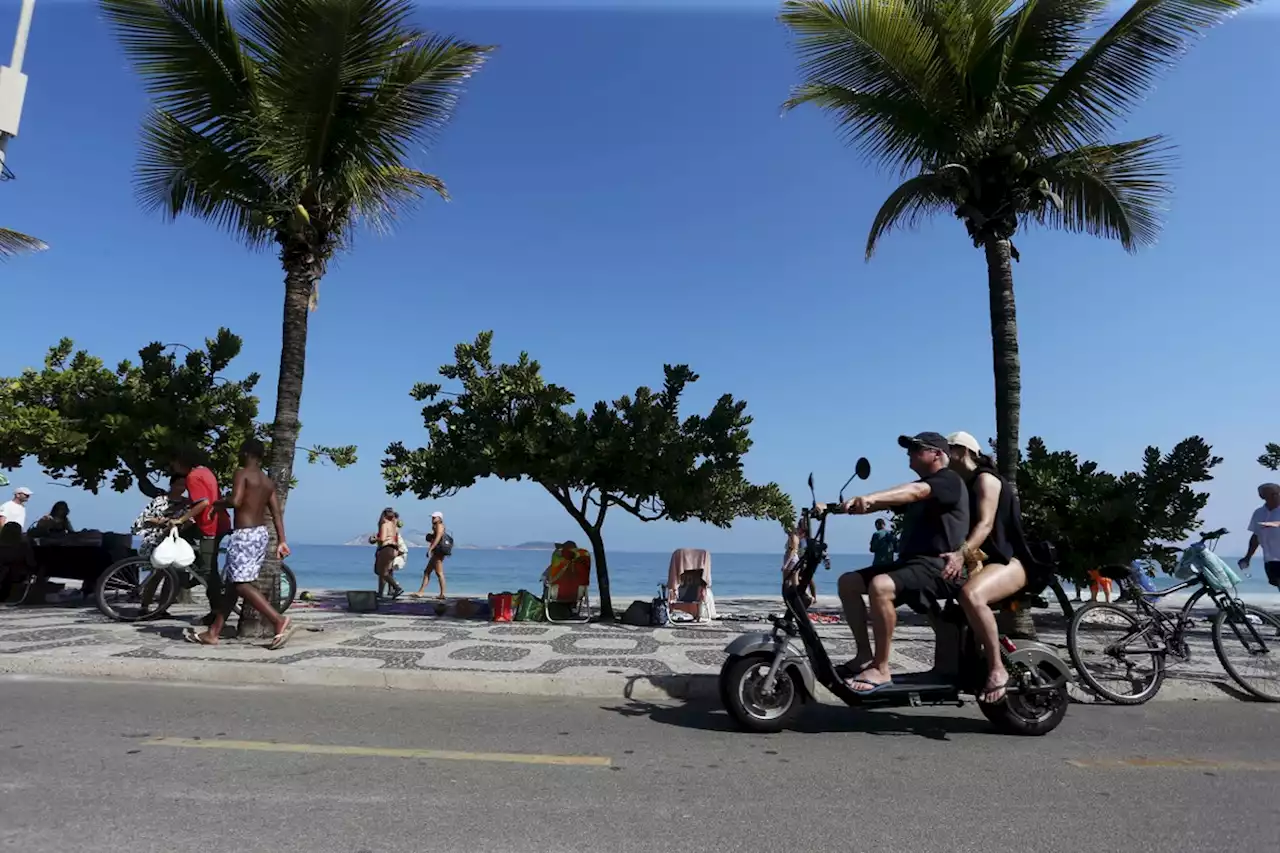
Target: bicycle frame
<point>1171,625</point>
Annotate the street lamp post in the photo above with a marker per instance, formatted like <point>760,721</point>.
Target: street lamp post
<point>13,84</point>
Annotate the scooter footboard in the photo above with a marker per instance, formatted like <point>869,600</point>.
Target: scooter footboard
<point>762,643</point>
<point>1041,658</point>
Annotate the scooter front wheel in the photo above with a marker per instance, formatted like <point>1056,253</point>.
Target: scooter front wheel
<point>753,708</point>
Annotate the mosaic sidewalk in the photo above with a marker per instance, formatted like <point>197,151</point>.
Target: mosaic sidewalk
<point>429,652</point>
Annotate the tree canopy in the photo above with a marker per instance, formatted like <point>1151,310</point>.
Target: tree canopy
<point>635,454</point>
<point>1097,518</point>
<point>1271,458</point>
<point>91,425</point>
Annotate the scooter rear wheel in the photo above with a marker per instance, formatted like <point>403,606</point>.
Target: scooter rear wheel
<point>1028,715</point>
<point>741,690</point>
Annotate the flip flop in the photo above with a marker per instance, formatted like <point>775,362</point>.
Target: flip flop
<point>279,640</point>
<point>875,688</point>
<point>192,636</point>
<point>1002,688</point>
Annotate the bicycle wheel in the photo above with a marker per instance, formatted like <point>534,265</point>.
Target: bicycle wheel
<point>288,591</point>
<point>1253,635</point>
<point>1115,653</point>
<point>132,590</point>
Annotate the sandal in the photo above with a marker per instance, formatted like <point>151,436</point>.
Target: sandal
<point>279,640</point>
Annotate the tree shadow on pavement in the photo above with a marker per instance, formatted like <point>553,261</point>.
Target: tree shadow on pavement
<point>814,719</point>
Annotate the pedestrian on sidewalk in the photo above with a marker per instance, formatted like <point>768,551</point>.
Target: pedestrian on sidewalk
<point>438,547</point>
<point>253,495</point>
<point>387,542</point>
<point>211,520</point>
<point>1265,529</point>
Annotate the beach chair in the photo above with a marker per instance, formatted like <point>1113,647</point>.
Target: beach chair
<point>566,584</point>
<point>689,583</point>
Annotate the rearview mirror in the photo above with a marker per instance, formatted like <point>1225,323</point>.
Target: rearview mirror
<point>862,469</point>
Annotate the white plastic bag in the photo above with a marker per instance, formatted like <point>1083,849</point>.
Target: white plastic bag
<point>173,551</point>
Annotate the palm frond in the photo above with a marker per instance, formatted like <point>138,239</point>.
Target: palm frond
<point>15,243</point>
<point>913,201</point>
<point>1094,93</point>
<point>1031,45</point>
<point>1114,191</point>
<point>182,171</point>
<point>390,189</point>
<point>190,58</point>
<point>356,84</point>
<point>876,67</point>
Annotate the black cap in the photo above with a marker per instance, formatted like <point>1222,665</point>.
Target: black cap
<point>931,440</point>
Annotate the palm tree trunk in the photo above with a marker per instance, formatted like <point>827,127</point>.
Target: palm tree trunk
<point>303,269</point>
<point>1004,347</point>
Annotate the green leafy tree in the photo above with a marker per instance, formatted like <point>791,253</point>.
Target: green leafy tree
<point>1000,112</point>
<point>1271,459</point>
<point>290,128</point>
<point>89,425</point>
<point>1097,518</point>
<point>635,455</point>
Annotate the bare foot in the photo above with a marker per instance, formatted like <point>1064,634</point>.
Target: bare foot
<point>993,692</point>
<point>203,639</point>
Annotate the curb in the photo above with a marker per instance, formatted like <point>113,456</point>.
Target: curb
<point>604,686</point>
<point>634,687</point>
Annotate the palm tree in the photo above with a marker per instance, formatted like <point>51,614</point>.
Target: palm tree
<point>14,243</point>
<point>289,128</point>
<point>999,111</point>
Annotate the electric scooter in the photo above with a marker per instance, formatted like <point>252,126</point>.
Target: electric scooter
<point>768,677</point>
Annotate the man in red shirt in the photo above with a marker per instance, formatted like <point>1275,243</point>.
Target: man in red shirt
<point>213,524</point>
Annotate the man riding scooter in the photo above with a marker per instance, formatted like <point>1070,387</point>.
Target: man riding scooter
<point>936,524</point>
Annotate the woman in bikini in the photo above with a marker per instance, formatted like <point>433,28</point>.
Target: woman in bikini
<point>438,547</point>
<point>387,540</point>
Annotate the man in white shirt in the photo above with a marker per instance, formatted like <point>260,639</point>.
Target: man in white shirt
<point>16,509</point>
<point>1265,527</point>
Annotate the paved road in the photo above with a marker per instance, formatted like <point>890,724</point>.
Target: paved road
<point>99,766</point>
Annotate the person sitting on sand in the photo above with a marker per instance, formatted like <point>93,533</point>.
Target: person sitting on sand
<point>253,495</point>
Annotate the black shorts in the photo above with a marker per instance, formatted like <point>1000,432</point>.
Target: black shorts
<point>916,580</point>
<point>1273,572</point>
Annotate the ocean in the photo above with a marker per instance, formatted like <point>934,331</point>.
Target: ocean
<point>631,574</point>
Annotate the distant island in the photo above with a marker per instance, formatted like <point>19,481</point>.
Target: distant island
<point>418,539</point>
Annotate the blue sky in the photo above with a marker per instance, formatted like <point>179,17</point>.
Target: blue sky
<point>626,193</point>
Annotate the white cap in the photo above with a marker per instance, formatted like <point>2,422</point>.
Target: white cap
<point>963,439</point>
<point>439,515</point>
<point>22,490</point>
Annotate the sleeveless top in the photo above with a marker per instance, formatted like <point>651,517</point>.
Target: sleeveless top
<point>1001,543</point>
<point>1007,538</point>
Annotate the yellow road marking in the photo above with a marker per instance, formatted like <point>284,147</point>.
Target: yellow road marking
<point>1174,764</point>
<point>381,752</point>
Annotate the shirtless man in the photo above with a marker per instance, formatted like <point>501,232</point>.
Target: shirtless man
<point>253,494</point>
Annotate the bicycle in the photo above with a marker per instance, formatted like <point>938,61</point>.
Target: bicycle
<point>134,582</point>
<point>1153,634</point>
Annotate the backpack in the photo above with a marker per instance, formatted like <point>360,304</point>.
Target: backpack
<point>446,544</point>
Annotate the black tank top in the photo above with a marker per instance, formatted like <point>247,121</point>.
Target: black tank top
<point>1002,543</point>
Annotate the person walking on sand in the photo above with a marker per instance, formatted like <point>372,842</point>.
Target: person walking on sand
<point>253,495</point>
<point>439,547</point>
<point>387,540</point>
